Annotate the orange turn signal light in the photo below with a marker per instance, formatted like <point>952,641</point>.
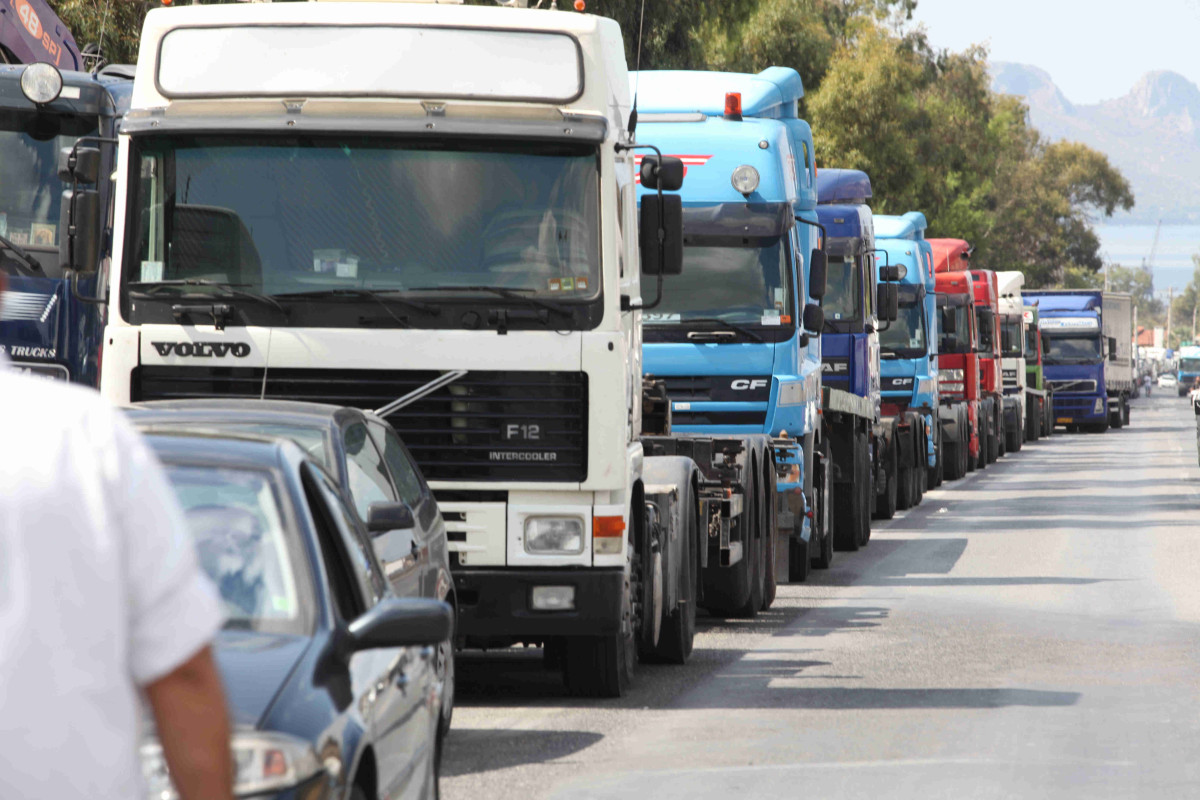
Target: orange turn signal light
<point>607,527</point>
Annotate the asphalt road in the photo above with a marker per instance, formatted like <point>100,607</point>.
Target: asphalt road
<point>1030,631</point>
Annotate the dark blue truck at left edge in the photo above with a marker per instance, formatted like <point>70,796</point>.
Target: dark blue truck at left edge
<point>45,328</point>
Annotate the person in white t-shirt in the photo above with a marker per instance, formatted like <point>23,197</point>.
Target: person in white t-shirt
<point>102,603</point>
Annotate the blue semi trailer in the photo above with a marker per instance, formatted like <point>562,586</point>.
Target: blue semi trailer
<point>47,325</point>
<point>736,338</point>
<point>854,309</point>
<point>908,350</point>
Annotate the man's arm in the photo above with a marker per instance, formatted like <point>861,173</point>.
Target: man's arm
<point>193,727</point>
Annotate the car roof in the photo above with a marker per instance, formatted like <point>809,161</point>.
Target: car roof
<point>241,410</point>
<point>226,450</point>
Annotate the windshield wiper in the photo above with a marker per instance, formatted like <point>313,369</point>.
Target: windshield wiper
<point>733,326</point>
<point>32,267</point>
<point>376,295</point>
<point>226,290</point>
<point>510,294</point>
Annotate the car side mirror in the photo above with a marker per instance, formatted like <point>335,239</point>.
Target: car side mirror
<point>887,302</point>
<point>661,216</point>
<point>402,622</point>
<point>818,274</point>
<point>949,321</point>
<point>383,517</point>
<point>665,172</point>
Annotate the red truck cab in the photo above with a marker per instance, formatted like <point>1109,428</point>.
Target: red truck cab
<point>958,363</point>
<point>991,386</point>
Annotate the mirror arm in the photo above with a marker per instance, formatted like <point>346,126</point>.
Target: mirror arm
<point>821,247</point>
<point>662,234</point>
<point>73,279</point>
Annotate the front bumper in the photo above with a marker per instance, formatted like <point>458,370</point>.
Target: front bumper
<point>1075,409</point>
<point>495,603</point>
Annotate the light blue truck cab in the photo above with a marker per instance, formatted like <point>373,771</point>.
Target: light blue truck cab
<point>908,355</point>
<point>1189,368</point>
<point>850,348</point>
<point>1087,336</point>
<point>45,328</point>
<point>728,338</point>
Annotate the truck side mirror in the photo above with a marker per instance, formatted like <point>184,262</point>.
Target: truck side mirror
<point>812,321</point>
<point>887,302</point>
<point>664,173</point>
<point>80,164</point>
<point>888,274</point>
<point>949,321</point>
<point>1112,348</point>
<point>818,273</point>
<point>661,216</point>
<point>79,228</point>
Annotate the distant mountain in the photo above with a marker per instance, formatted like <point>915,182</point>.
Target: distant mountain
<point>1152,134</point>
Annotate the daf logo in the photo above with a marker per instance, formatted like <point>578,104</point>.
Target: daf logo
<point>742,384</point>
<point>202,349</point>
<point>835,366</point>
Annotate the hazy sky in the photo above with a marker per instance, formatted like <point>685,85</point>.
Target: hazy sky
<point>1093,49</point>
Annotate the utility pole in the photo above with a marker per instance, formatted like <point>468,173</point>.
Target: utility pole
<point>1170,298</point>
<point>1194,322</point>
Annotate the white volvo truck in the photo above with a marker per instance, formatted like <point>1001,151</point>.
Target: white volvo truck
<point>429,210</point>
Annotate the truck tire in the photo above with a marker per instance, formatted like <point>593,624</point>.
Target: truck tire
<point>950,461</point>
<point>938,470</point>
<point>998,433</point>
<point>599,666</point>
<point>1124,411</point>
<point>906,490</point>
<point>885,503</point>
<point>822,527</point>
<point>1118,419</point>
<point>1034,429</point>
<point>755,566</point>
<point>852,501</point>
<point>679,626</point>
<point>1014,438</point>
<point>767,500</point>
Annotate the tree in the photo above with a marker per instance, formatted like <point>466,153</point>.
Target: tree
<point>114,25</point>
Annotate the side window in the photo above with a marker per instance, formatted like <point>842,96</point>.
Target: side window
<point>364,468</point>
<point>404,471</point>
<point>869,284</point>
<point>368,579</point>
<point>345,589</point>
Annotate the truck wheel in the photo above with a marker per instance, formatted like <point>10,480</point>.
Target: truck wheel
<point>1124,412</point>
<point>938,470</point>
<point>849,507</point>
<point>998,433</point>
<point>865,484</point>
<point>822,528</point>
<point>949,461</point>
<point>1013,438</point>
<point>767,502</point>
<point>1035,426</point>
<point>885,503</point>
<point>754,557</point>
<point>599,666</point>
<point>679,627</point>
<point>1118,418</point>
<point>906,489</point>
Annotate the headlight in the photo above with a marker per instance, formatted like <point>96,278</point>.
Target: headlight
<point>41,83</point>
<point>554,535</point>
<point>265,762</point>
<point>1099,407</point>
<point>745,179</point>
<point>950,375</point>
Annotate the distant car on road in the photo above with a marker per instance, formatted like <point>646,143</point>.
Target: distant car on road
<point>375,469</point>
<point>1167,382</point>
<point>329,675</point>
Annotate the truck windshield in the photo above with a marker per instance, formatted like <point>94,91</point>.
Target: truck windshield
<point>960,340</point>
<point>904,337</point>
<point>30,190</point>
<point>1011,341</point>
<point>1071,349</point>
<point>745,285</point>
<point>329,215</point>
<point>986,323</point>
<point>1190,365</point>
<point>1031,344</point>
<point>843,289</point>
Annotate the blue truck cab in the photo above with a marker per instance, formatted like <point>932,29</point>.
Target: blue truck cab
<point>1189,368</point>
<point>45,328</point>
<point>850,349</point>
<point>728,337</point>
<point>908,349</point>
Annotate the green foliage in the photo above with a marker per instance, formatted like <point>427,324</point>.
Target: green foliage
<point>116,25</point>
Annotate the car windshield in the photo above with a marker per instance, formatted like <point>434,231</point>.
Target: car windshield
<point>843,289</point>
<point>316,214</point>
<point>904,337</point>
<point>745,285</point>
<point>243,546</point>
<point>30,189</point>
<point>1064,349</point>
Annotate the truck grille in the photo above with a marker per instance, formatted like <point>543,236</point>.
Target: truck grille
<point>486,426</point>
<point>718,388</point>
<point>756,418</point>
<point>1076,387</point>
